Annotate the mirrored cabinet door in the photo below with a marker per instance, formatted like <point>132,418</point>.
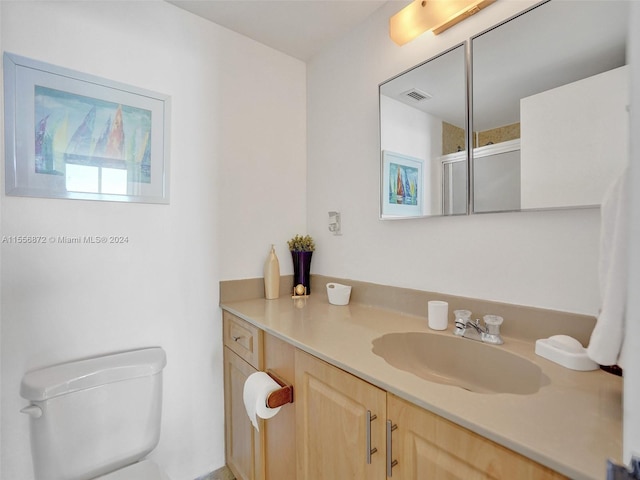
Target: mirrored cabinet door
<point>423,139</point>
<point>549,102</point>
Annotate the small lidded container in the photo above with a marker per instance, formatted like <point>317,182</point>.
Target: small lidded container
<point>338,294</point>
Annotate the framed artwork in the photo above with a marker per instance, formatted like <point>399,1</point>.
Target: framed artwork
<point>77,136</point>
<point>402,186</point>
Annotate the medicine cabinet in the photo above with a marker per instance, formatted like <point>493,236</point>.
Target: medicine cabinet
<point>530,114</point>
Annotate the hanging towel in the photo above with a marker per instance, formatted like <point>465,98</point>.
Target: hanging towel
<point>605,346</point>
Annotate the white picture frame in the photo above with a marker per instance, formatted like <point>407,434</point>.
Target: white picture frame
<point>77,136</point>
<point>402,186</point>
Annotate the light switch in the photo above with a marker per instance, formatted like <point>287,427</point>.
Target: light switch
<point>334,223</point>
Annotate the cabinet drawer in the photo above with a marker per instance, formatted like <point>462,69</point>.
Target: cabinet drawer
<point>243,338</point>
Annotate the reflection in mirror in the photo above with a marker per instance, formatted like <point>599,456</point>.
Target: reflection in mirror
<point>423,139</point>
<point>550,96</point>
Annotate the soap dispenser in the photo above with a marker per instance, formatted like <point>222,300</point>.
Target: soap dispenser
<point>272,276</point>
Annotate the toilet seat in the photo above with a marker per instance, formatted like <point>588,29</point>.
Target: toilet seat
<point>144,470</point>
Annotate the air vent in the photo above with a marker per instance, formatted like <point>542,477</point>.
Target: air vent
<point>416,95</point>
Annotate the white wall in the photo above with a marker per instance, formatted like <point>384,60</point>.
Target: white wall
<point>545,259</point>
<point>237,138</point>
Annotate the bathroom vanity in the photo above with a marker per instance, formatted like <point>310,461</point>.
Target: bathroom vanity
<point>355,415</point>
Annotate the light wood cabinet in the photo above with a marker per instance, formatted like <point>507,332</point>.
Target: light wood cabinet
<point>340,423</point>
<point>268,454</point>
<point>280,431</point>
<point>427,446</point>
<point>242,357</point>
<point>244,339</point>
<point>243,443</point>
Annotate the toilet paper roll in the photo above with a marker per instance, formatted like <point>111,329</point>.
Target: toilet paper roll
<point>256,390</point>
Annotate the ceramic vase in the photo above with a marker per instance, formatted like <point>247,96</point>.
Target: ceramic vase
<point>272,276</point>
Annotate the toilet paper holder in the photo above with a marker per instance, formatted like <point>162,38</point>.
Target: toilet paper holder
<point>283,395</point>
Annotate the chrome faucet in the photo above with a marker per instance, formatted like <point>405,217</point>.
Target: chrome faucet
<point>490,333</point>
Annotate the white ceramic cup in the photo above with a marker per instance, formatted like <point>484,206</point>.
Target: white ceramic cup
<point>438,315</point>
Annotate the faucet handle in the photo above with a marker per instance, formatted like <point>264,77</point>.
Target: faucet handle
<point>493,323</point>
<point>462,317</point>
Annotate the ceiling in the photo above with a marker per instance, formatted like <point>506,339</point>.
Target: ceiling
<point>300,28</point>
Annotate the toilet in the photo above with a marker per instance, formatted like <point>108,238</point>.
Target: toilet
<point>96,418</point>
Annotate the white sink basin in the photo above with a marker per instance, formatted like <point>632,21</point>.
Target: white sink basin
<point>468,364</point>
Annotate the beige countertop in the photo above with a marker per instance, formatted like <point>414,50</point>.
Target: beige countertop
<point>573,424</point>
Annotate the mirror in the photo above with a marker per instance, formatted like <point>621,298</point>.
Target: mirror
<point>550,95</point>
<point>423,139</point>
<point>549,116</point>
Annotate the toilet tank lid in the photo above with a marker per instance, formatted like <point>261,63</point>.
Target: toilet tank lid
<point>56,380</point>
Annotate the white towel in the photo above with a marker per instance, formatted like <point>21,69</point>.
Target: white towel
<point>606,344</point>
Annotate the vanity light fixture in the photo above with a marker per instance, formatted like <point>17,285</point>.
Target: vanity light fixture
<point>434,15</point>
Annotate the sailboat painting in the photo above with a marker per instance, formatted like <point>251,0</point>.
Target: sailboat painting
<point>75,129</point>
<point>402,185</point>
<point>74,135</point>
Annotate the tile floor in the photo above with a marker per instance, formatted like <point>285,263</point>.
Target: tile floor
<point>221,474</point>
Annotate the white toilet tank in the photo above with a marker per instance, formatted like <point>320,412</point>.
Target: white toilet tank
<point>93,416</point>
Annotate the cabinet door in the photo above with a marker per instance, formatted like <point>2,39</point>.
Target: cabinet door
<point>332,424</point>
<point>280,431</point>
<point>427,446</point>
<point>243,442</point>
